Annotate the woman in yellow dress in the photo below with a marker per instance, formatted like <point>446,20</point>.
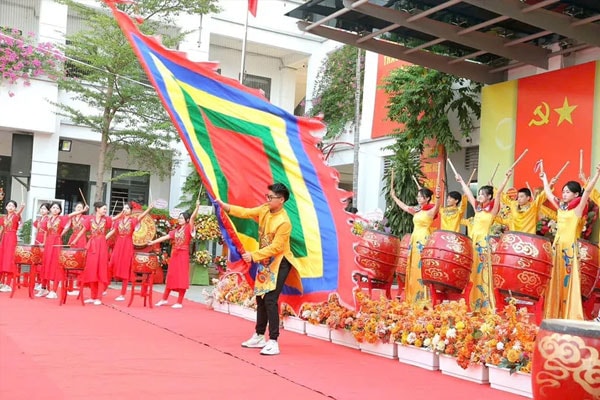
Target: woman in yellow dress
<point>423,214</point>
<point>563,294</point>
<point>480,289</point>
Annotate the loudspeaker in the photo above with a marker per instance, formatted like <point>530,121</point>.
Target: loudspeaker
<point>22,152</point>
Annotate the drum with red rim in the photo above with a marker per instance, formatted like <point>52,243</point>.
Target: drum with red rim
<point>588,266</point>
<point>377,255</point>
<point>566,360</point>
<point>72,258</point>
<point>521,265</point>
<point>446,261</point>
<point>145,262</point>
<point>29,254</point>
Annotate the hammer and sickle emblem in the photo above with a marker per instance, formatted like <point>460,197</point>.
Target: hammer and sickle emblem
<point>543,117</point>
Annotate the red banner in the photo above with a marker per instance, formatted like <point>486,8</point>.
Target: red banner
<point>381,125</point>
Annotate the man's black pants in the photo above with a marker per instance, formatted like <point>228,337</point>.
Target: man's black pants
<point>267,310</point>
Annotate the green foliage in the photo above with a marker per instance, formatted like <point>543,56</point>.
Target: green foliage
<point>335,90</point>
<point>423,99</point>
<point>25,231</point>
<point>110,81</point>
<point>192,189</point>
<point>405,163</point>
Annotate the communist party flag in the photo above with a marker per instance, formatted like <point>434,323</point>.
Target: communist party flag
<point>554,121</point>
<point>240,143</point>
<point>252,6</point>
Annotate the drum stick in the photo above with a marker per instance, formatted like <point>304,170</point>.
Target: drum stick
<point>114,208</point>
<point>561,171</point>
<point>580,161</point>
<point>471,177</point>
<point>416,181</point>
<point>452,166</point>
<point>519,159</point>
<point>437,182</point>
<point>83,197</point>
<point>494,173</point>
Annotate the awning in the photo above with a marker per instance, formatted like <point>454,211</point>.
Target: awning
<point>474,39</point>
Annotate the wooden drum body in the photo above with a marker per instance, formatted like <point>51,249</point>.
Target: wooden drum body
<point>566,360</point>
<point>144,262</point>
<point>72,258</point>
<point>29,254</point>
<point>377,255</point>
<point>589,268</point>
<point>446,261</point>
<point>521,265</point>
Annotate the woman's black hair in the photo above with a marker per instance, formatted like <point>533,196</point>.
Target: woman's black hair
<point>186,216</point>
<point>456,196</point>
<point>574,187</point>
<point>99,204</point>
<point>487,189</point>
<point>56,203</point>
<point>12,201</point>
<point>47,205</point>
<point>427,193</point>
<point>525,191</point>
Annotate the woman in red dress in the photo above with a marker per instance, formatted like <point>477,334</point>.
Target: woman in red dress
<point>178,273</point>
<point>40,223</point>
<point>56,227</point>
<point>78,239</point>
<point>95,273</point>
<point>122,254</point>
<point>8,244</point>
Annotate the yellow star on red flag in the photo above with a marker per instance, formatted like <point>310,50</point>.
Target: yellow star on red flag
<point>564,112</point>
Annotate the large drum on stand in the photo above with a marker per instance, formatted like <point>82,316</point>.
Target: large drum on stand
<point>588,266</point>
<point>145,231</point>
<point>521,265</point>
<point>145,263</point>
<point>566,360</point>
<point>29,254</point>
<point>446,261</point>
<point>402,263</point>
<point>72,258</point>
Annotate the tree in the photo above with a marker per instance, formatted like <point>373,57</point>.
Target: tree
<point>335,87</point>
<point>108,79</point>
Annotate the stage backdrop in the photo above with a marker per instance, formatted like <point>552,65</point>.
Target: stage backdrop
<point>551,115</point>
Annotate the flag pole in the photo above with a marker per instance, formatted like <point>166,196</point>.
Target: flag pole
<point>243,65</point>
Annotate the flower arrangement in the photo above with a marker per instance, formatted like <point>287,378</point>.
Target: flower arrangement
<point>287,311</point>
<point>22,60</point>
<point>590,218</point>
<point>546,226</point>
<point>203,258</point>
<point>220,263</point>
<point>207,228</point>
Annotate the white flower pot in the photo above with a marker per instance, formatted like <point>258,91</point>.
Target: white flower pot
<point>221,307</point>
<point>387,350</point>
<point>477,373</point>
<point>517,383</point>
<point>344,338</point>
<point>236,310</point>
<point>294,324</point>
<point>419,357</point>
<point>248,313</point>
<point>322,332</point>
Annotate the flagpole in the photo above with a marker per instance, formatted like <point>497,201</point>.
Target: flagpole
<point>243,66</point>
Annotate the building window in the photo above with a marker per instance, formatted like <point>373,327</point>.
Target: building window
<point>128,188</point>
<point>259,82</point>
<point>471,158</point>
<point>72,180</point>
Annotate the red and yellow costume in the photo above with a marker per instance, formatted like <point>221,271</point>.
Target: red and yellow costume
<point>482,285</point>
<point>122,254</point>
<point>41,226</point>
<point>96,263</point>
<point>77,240</point>
<point>451,216</point>
<point>178,274</point>
<point>54,229</point>
<point>8,244</point>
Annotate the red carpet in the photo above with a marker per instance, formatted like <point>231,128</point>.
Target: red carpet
<point>111,351</point>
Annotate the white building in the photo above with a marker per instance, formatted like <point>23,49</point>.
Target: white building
<point>32,168</point>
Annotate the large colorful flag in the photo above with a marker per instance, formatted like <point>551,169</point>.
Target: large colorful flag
<point>240,143</point>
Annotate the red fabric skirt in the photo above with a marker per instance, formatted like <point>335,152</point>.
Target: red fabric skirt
<point>121,257</point>
<point>8,246</point>
<point>51,270</point>
<point>96,262</point>
<point>178,272</point>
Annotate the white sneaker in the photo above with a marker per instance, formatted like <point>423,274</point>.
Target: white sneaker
<point>42,293</point>
<point>177,305</point>
<point>161,303</point>
<point>120,298</point>
<point>88,301</point>
<point>104,293</point>
<point>52,295</point>
<point>255,342</point>
<point>597,319</point>
<point>270,349</point>
<point>73,293</point>
<point>97,302</point>
<point>38,286</point>
<point>5,289</point>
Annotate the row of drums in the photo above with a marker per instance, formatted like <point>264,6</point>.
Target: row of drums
<point>521,262</point>
<point>74,258</point>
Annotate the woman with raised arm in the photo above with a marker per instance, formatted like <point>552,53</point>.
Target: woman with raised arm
<point>40,223</point>
<point>481,284</point>
<point>423,214</point>
<point>95,273</point>
<point>56,227</point>
<point>8,244</point>
<point>78,239</point>
<point>178,273</point>
<point>122,254</point>
<point>563,293</point>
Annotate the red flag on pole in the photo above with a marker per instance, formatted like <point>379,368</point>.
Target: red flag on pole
<point>252,5</point>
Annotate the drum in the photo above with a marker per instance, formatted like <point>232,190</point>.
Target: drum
<point>29,254</point>
<point>145,231</point>
<point>402,262</point>
<point>566,360</point>
<point>145,262</point>
<point>446,261</point>
<point>588,266</point>
<point>377,254</point>
<point>521,265</point>
<point>72,258</point>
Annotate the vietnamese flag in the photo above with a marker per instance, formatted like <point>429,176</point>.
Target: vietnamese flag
<point>252,6</point>
<point>554,121</point>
